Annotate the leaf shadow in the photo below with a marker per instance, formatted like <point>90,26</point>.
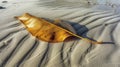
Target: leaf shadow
<point>83,30</point>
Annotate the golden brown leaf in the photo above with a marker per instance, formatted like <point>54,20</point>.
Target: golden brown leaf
<point>45,30</point>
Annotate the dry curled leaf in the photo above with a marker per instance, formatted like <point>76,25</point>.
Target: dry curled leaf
<point>45,30</point>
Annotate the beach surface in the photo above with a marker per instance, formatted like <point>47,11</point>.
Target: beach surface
<point>97,20</point>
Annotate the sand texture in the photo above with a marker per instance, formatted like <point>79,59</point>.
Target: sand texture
<point>18,48</point>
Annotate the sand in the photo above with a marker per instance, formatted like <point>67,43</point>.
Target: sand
<point>98,20</point>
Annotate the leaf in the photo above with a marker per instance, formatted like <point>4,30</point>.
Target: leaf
<point>47,31</point>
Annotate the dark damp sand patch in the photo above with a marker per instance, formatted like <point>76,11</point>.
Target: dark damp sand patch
<point>1,7</point>
<point>4,1</point>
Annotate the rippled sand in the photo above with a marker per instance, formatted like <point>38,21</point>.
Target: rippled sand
<point>18,48</point>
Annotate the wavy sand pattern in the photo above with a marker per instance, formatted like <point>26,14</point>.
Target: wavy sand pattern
<point>18,48</point>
